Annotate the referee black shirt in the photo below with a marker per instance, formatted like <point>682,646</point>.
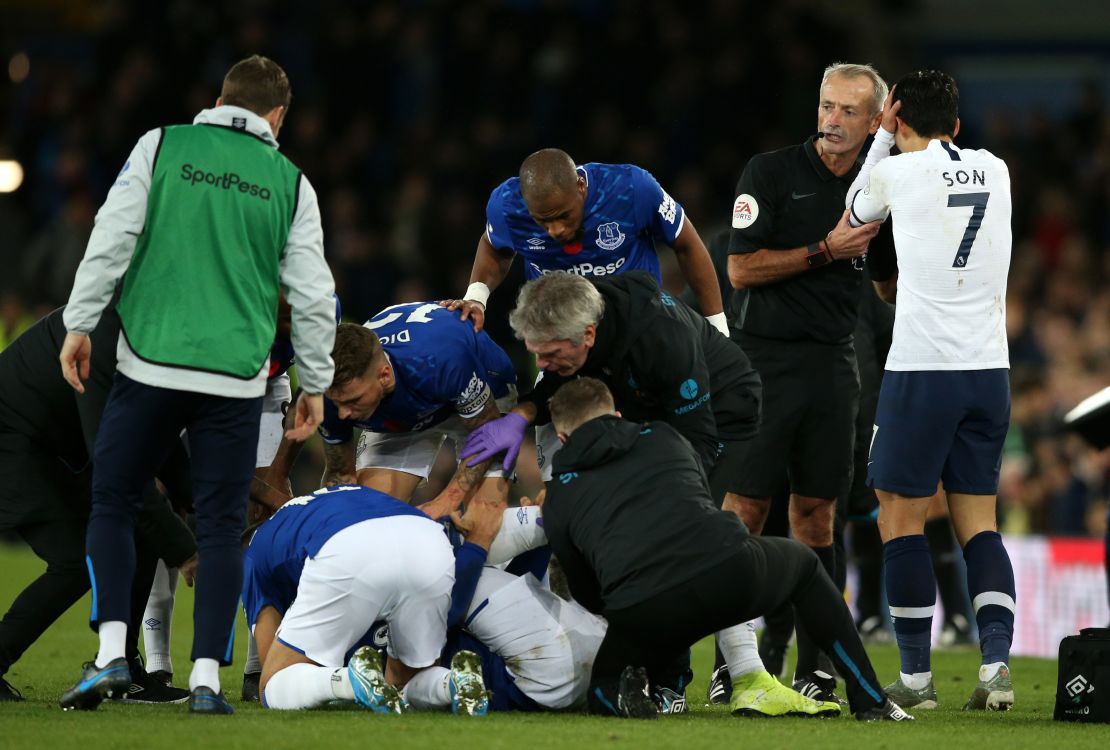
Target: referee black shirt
<point>787,199</point>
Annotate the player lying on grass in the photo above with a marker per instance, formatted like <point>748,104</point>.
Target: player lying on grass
<point>321,571</point>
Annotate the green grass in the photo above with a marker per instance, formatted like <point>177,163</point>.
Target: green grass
<point>53,664</point>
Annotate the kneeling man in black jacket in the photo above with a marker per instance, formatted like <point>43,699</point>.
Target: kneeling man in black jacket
<point>629,515</point>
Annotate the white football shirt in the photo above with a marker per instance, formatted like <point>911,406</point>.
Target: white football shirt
<point>951,210</point>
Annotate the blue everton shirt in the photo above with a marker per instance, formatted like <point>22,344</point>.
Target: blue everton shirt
<point>273,563</point>
<point>282,356</point>
<point>626,211</point>
<point>442,368</point>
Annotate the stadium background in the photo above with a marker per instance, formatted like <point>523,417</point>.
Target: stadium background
<point>406,114</point>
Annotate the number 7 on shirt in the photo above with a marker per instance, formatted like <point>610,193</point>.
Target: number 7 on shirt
<point>979,203</point>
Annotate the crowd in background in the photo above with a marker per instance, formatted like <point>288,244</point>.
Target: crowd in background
<point>406,115</point>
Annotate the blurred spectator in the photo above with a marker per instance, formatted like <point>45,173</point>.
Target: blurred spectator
<point>407,114</point>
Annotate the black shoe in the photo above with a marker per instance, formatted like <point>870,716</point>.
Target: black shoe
<point>719,691</point>
<point>147,688</point>
<point>96,685</point>
<point>633,700</point>
<point>164,677</point>
<point>819,686</point>
<point>250,690</point>
<point>205,700</point>
<point>888,711</point>
<point>773,656</point>
<point>8,692</point>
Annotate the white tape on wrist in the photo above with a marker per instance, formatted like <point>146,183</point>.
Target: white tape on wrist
<point>477,292</point>
<point>719,321</point>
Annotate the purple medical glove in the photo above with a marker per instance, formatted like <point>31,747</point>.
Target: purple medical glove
<point>503,434</point>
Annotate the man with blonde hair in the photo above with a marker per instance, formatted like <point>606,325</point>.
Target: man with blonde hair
<point>631,520</point>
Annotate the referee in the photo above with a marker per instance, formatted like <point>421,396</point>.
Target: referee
<point>208,221</point>
<point>795,253</point>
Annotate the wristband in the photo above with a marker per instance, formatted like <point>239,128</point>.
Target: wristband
<point>719,321</point>
<point>477,292</point>
<point>817,255</point>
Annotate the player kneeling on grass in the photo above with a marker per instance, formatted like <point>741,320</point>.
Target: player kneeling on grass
<point>321,571</point>
<point>629,517</point>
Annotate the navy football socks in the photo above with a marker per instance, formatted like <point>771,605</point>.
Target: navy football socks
<point>990,582</point>
<point>911,591</point>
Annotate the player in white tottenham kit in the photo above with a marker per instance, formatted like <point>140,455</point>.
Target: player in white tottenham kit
<point>944,406</point>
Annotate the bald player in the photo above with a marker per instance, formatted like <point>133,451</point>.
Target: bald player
<point>590,219</point>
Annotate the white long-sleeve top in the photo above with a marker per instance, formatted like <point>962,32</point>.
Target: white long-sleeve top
<point>305,276</point>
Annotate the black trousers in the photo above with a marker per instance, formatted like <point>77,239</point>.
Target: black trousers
<point>764,573</point>
<point>139,427</point>
<point>46,504</point>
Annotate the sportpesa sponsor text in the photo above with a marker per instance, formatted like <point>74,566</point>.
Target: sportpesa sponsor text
<point>226,181</point>
<point>584,269</point>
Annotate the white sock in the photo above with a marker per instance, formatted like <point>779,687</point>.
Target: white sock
<point>740,649</point>
<point>520,531</point>
<point>300,686</point>
<point>158,618</point>
<point>113,637</point>
<point>917,680</point>
<point>341,684</point>
<point>429,689</point>
<point>254,664</point>
<point>988,671</point>
<point>206,673</point>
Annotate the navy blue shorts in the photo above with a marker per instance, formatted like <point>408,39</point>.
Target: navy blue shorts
<point>935,426</point>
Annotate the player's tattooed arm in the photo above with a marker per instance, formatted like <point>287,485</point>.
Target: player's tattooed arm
<point>467,479</point>
<point>339,464</point>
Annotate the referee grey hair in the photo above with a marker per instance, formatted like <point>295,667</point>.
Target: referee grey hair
<point>556,306</point>
<point>853,70</point>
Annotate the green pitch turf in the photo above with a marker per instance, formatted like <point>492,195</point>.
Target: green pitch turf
<point>54,662</point>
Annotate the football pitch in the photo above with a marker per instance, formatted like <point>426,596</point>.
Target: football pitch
<point>53,664</point>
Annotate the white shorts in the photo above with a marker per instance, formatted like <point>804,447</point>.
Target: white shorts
<point>549,645</point>
<point>415,452</point>
<point>399,569</point>
<point>272,427</point>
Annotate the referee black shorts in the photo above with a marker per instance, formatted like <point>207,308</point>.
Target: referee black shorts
<point>810,401</point>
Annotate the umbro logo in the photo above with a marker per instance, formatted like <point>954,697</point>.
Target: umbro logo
<point>799,196</point>
<point>1079,685</point>
<point>536,242</point>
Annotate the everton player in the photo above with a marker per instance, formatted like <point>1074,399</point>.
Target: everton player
<point>594,220</point>
<point>944,405</point>
<point>322,571</point>
<point>411,377</point>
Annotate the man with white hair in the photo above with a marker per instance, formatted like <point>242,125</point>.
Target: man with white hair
<point>799,260</point>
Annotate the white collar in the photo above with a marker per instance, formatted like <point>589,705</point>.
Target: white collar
<point>239,119</point>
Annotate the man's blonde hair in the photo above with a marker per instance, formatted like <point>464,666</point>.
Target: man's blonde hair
<point>578,402</point>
